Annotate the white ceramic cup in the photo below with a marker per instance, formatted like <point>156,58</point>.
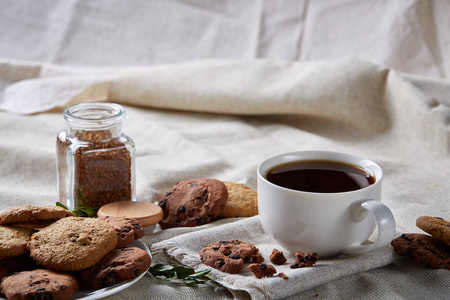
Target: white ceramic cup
<point>329,224</point>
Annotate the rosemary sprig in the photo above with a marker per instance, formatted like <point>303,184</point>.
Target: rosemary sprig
<point>81,211</point>
<point>176,273</point>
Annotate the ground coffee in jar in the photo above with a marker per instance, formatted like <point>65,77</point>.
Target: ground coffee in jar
<point>95,159</point>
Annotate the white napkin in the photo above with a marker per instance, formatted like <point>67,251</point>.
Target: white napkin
<point>185,248</point>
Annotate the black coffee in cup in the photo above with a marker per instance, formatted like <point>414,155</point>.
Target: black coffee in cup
<point>320,176</point>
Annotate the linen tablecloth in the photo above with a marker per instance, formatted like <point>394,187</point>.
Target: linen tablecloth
<point>220,119</point>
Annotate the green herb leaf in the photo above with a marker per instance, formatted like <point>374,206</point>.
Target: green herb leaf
<point>81,211</point>
<point>176,273</point>
<point>61,205</point>
<point>85,211</point>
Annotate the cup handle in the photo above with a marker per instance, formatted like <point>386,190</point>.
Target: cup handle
<point>385,224</point>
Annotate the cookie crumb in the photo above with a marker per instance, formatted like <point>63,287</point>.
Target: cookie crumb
<point>262,270</point>
<point>278,257</point>
<point>258,258</point>
<point>304,260</point>
<point>282,275</point>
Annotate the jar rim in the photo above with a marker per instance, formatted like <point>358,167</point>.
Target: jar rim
<point>94,114</point>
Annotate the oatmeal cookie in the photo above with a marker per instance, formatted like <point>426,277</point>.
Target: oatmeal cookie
<point>437,227</point>
<point>28,213</point>
<point>72,243</point>
<point>193,202</point>
<point>14,240</point>
<point>242,201</point>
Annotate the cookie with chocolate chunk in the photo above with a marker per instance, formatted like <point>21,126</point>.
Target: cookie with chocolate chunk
<point>423,249</point>
<point>193,202</point>
<point>10,265</point>
<point>128,229</point>
<point>262,270</point>
<point>29,213</point>
<point>437,227</point>
<point>229,256</point>
<point>39,284</point>
<point>117,266</point>
<point>14,240</point>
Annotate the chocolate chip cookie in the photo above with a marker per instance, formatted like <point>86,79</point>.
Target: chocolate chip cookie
<point>229,256</point>
<point>14,240</point>
<point>39,284</point>
<point>128,229</point>
<point>437,227</point>
<point>72,243</point>
<point>193,202</point>
<point>242,201</point>
<point>10,265</point>
<point>423,249</point>
<point>117,266</point>
<point>28,213</point>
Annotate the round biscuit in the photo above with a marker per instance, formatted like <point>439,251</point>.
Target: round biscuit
<point>72,243</point>
<point>242,201</point>
<point>14,240</point>
<point>437,227</point>
<point>28,213</point>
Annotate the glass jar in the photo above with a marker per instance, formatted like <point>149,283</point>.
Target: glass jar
<point>96,161</point>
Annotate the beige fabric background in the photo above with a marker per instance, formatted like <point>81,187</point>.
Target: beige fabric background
<point>213,88</point>
<point>219,119</point>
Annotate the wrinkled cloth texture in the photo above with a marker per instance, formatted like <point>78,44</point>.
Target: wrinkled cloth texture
<point>212,88</point>
<point>411,36</point>
<point>220,119</point>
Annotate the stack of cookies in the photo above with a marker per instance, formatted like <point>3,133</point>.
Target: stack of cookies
<point>196,202</point>
<point>46,252</point>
